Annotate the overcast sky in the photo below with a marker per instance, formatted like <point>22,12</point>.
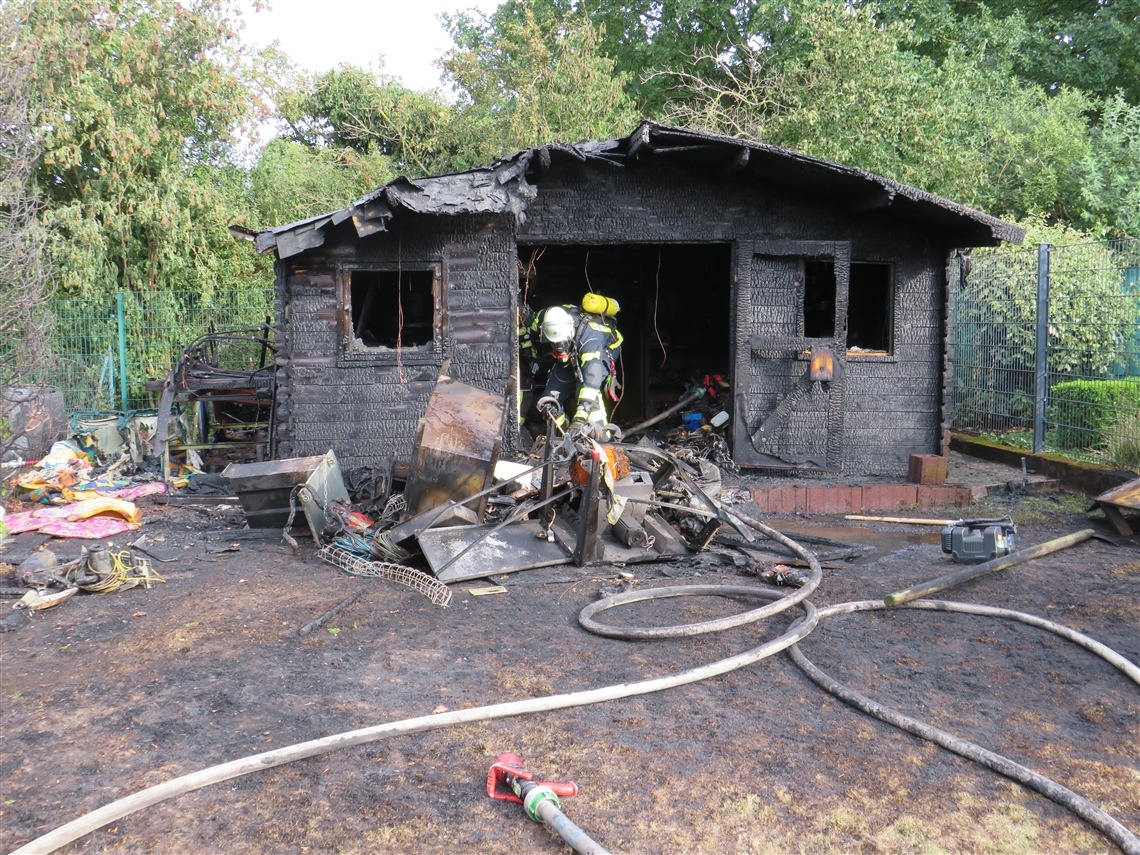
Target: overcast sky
<point>321,34</point>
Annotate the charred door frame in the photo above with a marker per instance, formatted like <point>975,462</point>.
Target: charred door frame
<point>750,426</point>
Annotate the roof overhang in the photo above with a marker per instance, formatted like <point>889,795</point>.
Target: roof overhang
<point>505,187</point>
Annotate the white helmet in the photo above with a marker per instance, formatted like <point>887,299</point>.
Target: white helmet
<point>557,325</point>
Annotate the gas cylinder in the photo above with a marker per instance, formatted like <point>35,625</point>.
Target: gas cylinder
<point>596,304</point>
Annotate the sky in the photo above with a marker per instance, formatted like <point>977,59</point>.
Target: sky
<point>322,34</point>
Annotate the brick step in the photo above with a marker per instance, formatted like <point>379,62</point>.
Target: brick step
<point>843,499</point>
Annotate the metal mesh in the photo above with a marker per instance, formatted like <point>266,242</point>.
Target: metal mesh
<point>410,577</point>
<point>1091,395</point>
<point>156,326</point>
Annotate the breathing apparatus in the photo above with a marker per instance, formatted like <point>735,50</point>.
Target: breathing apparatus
<point>558,332</point>
<point>596,304</point>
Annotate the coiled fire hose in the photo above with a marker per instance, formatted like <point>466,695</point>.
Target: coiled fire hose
<point>797,631</point>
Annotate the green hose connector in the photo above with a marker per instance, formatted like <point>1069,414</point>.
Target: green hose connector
<point>536,797</point>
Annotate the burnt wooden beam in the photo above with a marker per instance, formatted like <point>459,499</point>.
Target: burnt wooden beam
<point>639,141</point>
<point>762,436</point>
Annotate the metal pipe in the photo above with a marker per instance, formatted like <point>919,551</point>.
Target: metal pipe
<point>1041,375</point>
<point>695,395</point>
<point>121,322</point>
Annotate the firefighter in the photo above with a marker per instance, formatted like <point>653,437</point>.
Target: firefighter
<point>570,354</point>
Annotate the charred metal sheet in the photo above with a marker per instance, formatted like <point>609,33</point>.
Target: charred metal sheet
<point>509,550</point>
<point>457,447</point>
<point>265,489</point>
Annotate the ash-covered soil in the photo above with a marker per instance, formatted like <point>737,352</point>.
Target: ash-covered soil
<point>108,694</point>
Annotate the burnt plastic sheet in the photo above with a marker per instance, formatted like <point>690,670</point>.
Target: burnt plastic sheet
<point>511,549</point>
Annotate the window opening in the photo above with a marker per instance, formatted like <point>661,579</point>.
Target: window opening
<point>819,299</point>
<point>869,311</point>
<point>391,308</point>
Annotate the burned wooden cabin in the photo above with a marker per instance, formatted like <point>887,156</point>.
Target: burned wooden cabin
<point>819,291</point>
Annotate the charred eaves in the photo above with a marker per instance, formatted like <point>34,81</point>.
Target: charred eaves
<point>506,187</point>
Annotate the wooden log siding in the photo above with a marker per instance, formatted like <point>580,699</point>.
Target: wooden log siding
<point>370,410</point>
<point>661,185</point>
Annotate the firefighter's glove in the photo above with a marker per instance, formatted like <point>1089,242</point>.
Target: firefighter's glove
<point>533,367</point>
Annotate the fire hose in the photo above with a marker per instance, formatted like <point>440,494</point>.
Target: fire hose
<point>508,779</point>
<point>1104,823</point>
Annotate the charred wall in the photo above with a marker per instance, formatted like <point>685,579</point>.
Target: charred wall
<point>367,406</point>
<point>890,405</point>
<point>366,403</point>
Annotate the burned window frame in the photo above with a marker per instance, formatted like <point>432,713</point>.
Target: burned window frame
<point>808,330</point>
<point>888,310</point>
<point>353,351</point>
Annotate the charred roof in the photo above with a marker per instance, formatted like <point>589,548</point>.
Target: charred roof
<point>507,186</point>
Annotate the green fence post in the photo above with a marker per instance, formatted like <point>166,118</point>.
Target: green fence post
<point>122,320</point>
<point>1041,375</point>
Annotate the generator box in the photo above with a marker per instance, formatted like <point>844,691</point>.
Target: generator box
<point>974,541</point>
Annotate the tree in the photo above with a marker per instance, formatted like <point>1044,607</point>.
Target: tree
<point>24,323</point>
<point>292,181</point>
<point>139,103</point>
<point>1089,46</point>
<point>860,95</point>
<point>1110,191</point>
<point>351,109</point>
<point>652,42</point>
<point>530,79</point>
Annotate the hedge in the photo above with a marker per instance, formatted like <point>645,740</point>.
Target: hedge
<point>1086,411</point>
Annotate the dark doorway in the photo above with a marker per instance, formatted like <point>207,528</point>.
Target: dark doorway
<point>676,311</point>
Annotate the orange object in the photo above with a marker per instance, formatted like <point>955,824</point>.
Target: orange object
<point>616,459</point>
<point>822,365</point>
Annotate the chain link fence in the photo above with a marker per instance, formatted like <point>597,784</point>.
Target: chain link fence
<point>106,348</point>
<point>1046,349</point>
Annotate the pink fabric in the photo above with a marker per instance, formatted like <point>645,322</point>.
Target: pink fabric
<point>37,519</point>
<point>94,528</point>
<point>151,488</point>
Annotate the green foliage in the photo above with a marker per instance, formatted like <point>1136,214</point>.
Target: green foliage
<point>1122,444</point>
<point>1086,412</point>
<point>860,94</point>
<point>1091,318</point>
<point>140,104</point>
<point>528,80</point>
<point>1081,45</point>
<point>371,122</point>
<point>1110,191</point>
<point>652,43</point>
<point>291,181</point>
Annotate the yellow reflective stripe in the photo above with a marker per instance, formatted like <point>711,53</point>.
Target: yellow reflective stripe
<point>599,327</point>
<point>590,394</point>
<point>618,339</point>
<point>589,356</point>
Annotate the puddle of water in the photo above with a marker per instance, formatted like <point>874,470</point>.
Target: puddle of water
<point>883,540</point>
